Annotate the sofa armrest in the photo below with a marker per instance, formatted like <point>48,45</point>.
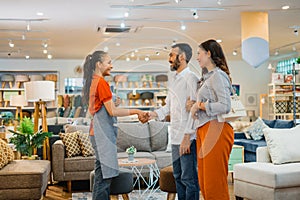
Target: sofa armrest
<point>262,155</point>
<point>58,157</point>
<point>239,135</point>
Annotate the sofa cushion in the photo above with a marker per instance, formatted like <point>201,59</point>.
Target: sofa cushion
<point>283,144</point>
<point>135,134</point>
<point>79,163</point>
<point>158,135</point>
<point>70,141</point>
<point>72,128</point>
<point>250,145</point>
<point>284,123</point>
<point>256,129</point>
<point>270,123</point>
<point>268,174</point>
<point>85,144</point>
<point>162,158</point>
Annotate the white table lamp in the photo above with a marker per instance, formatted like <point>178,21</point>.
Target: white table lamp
<point>39,92</point>
<point>18,101</point>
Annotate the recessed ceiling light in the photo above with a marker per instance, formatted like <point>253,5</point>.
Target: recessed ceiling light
<point>147,58</point>
<point>219,40</point>
<point>182,27</point>
<point>127,59</point>
<point>122,25</point>
<point>126,14</point>
<point>45,51</point>
<point>27,57</point>
<point>234,53</point>
<point>118,44</point>
<point>285,7</point>
<point>49,56</point>
<point>39,13</point>
<point>105,49</point>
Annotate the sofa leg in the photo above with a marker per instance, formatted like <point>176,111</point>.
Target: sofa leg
<point>171,196</point>
<point>114,197</point>
<point>69,186</point>
<point>125,196</point>
<point>238,198</point>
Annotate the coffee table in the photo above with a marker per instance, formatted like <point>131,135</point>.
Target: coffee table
<point>139,167</point>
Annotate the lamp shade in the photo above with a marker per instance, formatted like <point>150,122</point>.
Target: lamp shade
<point>18,100</point>
<point>39,90</point>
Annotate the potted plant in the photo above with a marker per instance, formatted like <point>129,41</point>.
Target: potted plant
<point>25,139</point>
<point>131,151</point>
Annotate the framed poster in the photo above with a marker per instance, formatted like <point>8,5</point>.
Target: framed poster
<point>236,89</point>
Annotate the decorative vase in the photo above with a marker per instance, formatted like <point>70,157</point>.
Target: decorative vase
<point>130,157</point>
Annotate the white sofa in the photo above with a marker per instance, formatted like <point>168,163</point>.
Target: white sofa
<point>263,180</point>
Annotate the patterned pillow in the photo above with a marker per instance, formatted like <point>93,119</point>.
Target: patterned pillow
<point>70,141</point>
<point>85,144</point>
<point>256,129</point>
<point>8,152</point>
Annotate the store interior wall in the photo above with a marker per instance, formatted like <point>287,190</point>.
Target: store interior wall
<point>252,81</point>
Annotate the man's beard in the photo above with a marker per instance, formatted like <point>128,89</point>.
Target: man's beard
<point>176,64</point>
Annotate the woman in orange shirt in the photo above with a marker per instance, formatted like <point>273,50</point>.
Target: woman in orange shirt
<point>103,133</point>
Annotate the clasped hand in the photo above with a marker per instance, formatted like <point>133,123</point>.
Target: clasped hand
<point>144,116</point>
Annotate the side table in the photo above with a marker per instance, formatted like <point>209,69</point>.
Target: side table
<point>138,167</point>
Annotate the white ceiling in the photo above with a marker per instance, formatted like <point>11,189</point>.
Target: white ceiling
<point>70,26</point>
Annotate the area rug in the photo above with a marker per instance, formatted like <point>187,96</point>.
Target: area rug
<point>134,195</point>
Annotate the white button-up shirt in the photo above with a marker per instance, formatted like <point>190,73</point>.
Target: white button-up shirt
<point>182,86</point>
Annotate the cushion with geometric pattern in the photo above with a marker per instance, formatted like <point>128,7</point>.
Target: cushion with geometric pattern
<point>70,141</point>
<point>85,144</point>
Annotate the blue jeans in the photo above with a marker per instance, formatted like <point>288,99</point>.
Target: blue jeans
<point>101,188</point>
<point>185,173</point>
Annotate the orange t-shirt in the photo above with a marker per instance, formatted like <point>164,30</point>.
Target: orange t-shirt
<point>99,93</point>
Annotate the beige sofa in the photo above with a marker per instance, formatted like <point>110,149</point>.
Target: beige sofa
<point>263,180</point>
<point>150,139</point>
<point>24,179</point>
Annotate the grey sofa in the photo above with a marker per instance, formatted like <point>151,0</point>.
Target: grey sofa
<point>150,139</point>
<point>24,179</point>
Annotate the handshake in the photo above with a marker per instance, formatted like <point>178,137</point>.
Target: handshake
<point>146,116</point>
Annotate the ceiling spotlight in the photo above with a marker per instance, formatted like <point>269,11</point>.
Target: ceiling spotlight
<point>147,58</point>
<point>11,44</point>
<point>132,54</point>
<point>195,15</point>
<point>234,52</point>
<point>219,2</point>
<point>28,27</point>
<point>49,56</point>
<point>294,48</point>
<point>27,57</point>
<point>276,52</point>
<point>122,25</point>
<point>174,42</point>
<point>285,7</point>
<point>118,44</point>
<point>126,14</point>
<point>105,49</point>
<point>127,59</point>
<point>23,36</point>
<point>45,45</point>
<point>219,40</point>
<point>176,1</point>
<point>157,53</point>
<point>182,27</point>
<point>39,13</point>
<point>45,51</point>
<point>296,32</point>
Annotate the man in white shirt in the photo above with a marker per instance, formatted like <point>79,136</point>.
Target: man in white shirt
<point>181,88</point>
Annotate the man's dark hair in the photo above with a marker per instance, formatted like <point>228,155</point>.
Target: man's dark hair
<point>185,48</point>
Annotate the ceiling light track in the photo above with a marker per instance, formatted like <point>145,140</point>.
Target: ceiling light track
<point>167,7</point>
<point>158,20</point>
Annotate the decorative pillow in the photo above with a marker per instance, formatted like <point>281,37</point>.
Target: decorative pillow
<point>8,152</point>
<point>70,141</point>
<point>283,144</point>
<point>3,160</point>
<point>270,123</point>
<point>135,134</point>
<point>240,126</point>
<point>284,123</point>
<point>85,144</point>
<point>158,135</point>
<point>256,129</point>
<point>73,128</point>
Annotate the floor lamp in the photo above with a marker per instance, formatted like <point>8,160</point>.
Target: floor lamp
<point>39,92</point>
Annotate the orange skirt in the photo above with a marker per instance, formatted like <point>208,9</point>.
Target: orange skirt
<point>214,144</point>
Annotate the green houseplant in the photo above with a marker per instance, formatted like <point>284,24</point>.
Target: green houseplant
<point>131,151</point>
<point>25,139</point>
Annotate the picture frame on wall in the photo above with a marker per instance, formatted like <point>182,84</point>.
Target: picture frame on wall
<point>251,99</point>
<point>236,89</point>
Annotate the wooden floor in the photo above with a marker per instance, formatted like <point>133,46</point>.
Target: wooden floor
<point>57,191</point>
